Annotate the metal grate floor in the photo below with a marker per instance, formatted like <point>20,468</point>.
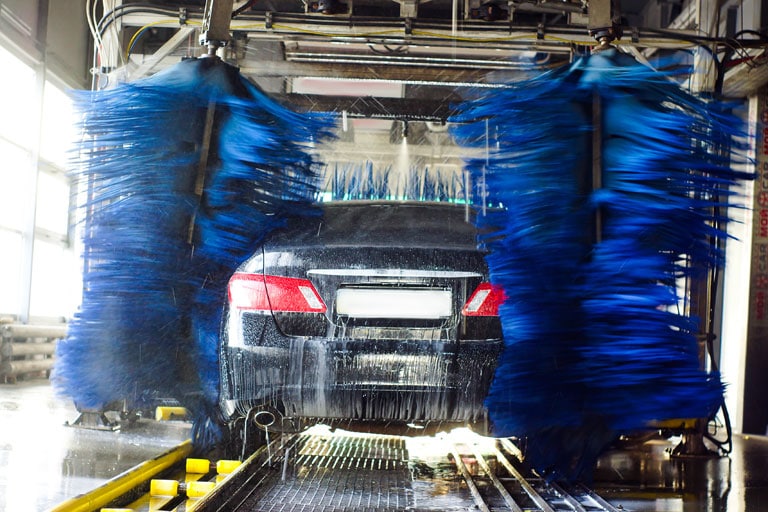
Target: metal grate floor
<point>339,474</point>
<point>452,472</point>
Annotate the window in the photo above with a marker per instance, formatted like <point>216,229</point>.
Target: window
<point>18,104</point>
<point>53,204</point>
<point>55,280</point>
<point>57,130</point>
<point>39,274</point>
<point>16,172</point>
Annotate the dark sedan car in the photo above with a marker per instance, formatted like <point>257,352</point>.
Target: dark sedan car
<point>375,316</point>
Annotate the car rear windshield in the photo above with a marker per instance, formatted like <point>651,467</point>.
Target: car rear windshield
<point>382,224</point>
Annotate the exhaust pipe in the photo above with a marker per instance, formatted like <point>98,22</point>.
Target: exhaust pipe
<point>264,419</point>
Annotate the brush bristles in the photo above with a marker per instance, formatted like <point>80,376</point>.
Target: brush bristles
<point>157,254</point>
<point>595,342</point>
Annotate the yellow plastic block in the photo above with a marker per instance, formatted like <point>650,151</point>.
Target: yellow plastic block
<point>117,510</point>
<point>198,466</point>
<point>199,489</point>
<point>163,488</point>
<point>676,424</point>
<point>158,502</point>
<point>170,413</point>
<point>225,467</point>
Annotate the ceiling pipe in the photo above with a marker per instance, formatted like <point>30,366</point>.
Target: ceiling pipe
<point>401,61</point>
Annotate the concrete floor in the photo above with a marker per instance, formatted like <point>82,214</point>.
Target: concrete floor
<point>646,478</point>
<point>43,462</point>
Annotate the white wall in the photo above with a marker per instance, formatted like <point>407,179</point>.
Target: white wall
<point>69,55</point>
<point>66,48</point>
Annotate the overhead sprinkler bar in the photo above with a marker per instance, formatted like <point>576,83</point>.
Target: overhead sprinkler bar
<point>604,21</point>
<point>215,28</point>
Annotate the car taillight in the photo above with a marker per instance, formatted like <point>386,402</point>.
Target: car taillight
<point>274,293</point>
<point>484,301</point>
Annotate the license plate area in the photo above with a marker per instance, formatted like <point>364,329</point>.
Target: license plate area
<point>380,302</point>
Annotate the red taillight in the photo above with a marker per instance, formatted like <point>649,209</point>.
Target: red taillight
<point>274,293</point>
<point>485,301</point>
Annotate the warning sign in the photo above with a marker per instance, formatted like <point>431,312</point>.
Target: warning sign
<point>758,307</point>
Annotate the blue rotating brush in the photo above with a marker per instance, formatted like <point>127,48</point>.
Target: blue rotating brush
<point>596,343</point>
<point>183,173</point>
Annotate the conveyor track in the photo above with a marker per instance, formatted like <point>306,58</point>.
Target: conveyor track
<point>347,472</point>
<point>505,488</point>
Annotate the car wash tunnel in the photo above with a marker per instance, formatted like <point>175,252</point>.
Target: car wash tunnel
<point>384,255</point>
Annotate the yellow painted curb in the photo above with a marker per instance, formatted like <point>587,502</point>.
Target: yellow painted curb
<point>125,481</point>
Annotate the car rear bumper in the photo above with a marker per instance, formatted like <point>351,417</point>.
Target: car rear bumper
<point>411,381</point>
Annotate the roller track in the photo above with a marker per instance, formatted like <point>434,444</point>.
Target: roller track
<point>352,472</point>
<point>501,486</point>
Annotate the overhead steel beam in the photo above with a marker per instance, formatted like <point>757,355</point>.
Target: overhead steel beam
<point>396,31</point>
<point>164,51</point>
<point>547,6</point>
<point>746,78</point>
<point>471,33</point>
<point>482,61</point>
<point>355,71</point>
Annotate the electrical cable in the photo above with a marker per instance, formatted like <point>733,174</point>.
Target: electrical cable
<point>125,9</point>
<point>141,32</point>
<point>726,445</point>
<point>115,32</point>
<point>88,19</point>
<point>93,23</point>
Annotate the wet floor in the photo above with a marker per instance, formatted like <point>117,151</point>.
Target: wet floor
<point>647,478</point>
<point>43,462</point>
